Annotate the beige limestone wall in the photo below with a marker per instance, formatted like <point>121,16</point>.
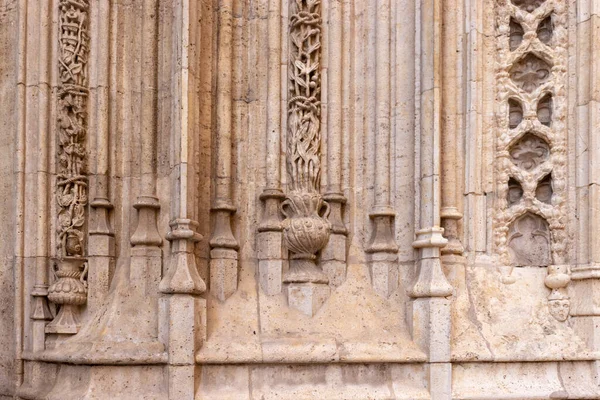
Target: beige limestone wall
<point>10,93</point>
<point>200,287</point>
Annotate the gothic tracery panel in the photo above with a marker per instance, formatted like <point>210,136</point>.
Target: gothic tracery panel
<point>530,162</point>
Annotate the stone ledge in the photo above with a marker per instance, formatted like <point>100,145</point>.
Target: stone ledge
<point>304,351</point>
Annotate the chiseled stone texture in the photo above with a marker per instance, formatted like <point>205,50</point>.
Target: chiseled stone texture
<point>299,199</point>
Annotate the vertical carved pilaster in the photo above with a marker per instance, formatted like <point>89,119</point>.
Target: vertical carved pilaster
<point>305,228</point>
<point>224,246</point>
<point>70,289</point>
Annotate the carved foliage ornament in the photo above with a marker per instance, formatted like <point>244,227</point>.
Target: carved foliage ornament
<point>70,288</point>
<point>305,229</point>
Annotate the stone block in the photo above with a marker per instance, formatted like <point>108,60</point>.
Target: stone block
<point>307,297</point>
<point>270,275</point>
<point>383,268</point>
<point>269,245</point>
<point>335,271</point>
<point>223,273</point>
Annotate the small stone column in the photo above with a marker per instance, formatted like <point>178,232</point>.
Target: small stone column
<point>269,239</point>
<point>382,249</point>
<point>430,304</point>
<point>224,246</point>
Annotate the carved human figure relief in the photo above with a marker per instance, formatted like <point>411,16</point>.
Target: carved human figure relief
<point>529,241</point>
<point>70,288</point>
<point>559,308</point>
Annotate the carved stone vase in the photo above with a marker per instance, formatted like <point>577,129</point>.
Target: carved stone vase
<point>306,231</point>
<point>69,291</point>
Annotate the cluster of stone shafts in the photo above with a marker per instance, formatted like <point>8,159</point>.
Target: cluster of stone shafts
<point>70,288</point>
<point>305,228</point>
<point>382,249</point>
<point>224,246</point>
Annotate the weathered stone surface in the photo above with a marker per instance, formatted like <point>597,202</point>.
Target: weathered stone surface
<point>299,199</point>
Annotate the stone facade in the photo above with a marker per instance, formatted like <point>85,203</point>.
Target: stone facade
<point>300,199</point>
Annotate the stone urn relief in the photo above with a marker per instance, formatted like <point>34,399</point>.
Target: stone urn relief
<point>306,231</point>
<point>68,292</point>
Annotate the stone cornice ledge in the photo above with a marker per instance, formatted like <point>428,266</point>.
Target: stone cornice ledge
<point>302,351</point>
<point>589,271</point>
<point>126,353</point>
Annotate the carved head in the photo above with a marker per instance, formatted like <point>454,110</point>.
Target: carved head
<point>560,309</point>
<point>559,305</point>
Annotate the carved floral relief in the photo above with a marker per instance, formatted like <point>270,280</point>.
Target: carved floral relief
<point>306,228</point>
<point>70,288</point>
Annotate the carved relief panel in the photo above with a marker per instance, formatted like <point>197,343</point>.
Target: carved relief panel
<point>531,135</point>
<point>70,288</point>
<point>531,164</point>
